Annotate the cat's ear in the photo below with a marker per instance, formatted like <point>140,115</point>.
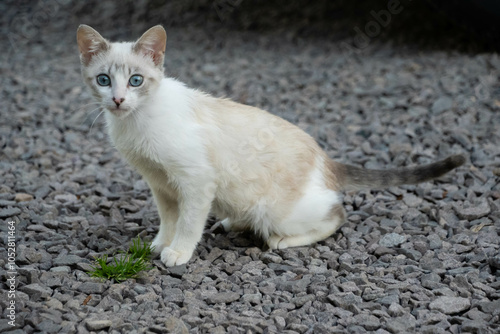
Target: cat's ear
<point>152,44</point>
<point>90,43</point>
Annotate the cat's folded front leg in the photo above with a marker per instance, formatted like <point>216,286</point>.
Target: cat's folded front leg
<point>194,208</point>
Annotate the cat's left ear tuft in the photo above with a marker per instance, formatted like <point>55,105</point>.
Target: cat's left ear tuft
<point>152,44</point>
<point>90,43</point>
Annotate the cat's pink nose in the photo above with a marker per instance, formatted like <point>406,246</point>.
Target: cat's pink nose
<point>118,101</point>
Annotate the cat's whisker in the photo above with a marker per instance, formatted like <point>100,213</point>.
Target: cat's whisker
<point>80,108</point>
<point>95,119</point>
<point>92,112</point>
<point>76,117</point>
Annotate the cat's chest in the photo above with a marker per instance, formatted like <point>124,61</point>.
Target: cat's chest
<point>144,150</point>
<point>154,163</point>
<point>159,144</point>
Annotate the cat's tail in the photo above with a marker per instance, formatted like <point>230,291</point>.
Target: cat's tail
<point>356,178</point>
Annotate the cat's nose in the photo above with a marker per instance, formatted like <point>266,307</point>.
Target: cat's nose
<point>118,101</point>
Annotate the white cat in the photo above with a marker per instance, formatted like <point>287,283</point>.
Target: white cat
<point>199,154</point>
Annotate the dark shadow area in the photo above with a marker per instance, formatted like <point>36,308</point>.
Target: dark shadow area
<point>458,25</point>
<point>461,25</point>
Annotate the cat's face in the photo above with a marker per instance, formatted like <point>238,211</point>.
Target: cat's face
<point>122,76</point>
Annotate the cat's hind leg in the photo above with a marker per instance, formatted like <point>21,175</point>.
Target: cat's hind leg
<point>321,231</point>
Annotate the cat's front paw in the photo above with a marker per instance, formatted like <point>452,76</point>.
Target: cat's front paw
<point>172,257</point>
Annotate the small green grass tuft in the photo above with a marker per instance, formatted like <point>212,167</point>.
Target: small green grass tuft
<point>125,265</point>
<point>140,249</point>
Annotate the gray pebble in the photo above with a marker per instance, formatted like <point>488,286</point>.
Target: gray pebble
<point>344,300</point>
<point>48,326</point>
<point>435,241</point>
<point>412,200</point>
<point>66,198</point>
<point>268,257</point>
<point>42,192</point>
<point>431,281</point>
<point>474,326</point>
<point>174,295</point>
<point>97,325</point>
<point>67,260</point>
<point>214,254</point>
<point>402,324</point>
<point>9,212</point>
<point>27,255</point>
<point>476,211</point>
<point>223,298</point>
<point>63,269</point>
<point>388,300</point>
<point>442,104</point>
<point>410,253</point>
<point>91,288</point>
<point>175,326</point>
<point>490,307</point>
<point>367,321</point>
<point>280,322</point>
<point>280,268</point>
<point>293,286</point>
<point>300,301</point>
<point>396,310</point>
<point>450,305</point>
<point>38,289</point>
<point>495,261</point>
<point>392,240</point>
<point>177,271</point>
<point>254,298</point>
<point>5,203</point>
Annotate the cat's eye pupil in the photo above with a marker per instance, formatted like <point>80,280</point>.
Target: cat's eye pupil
<point>136,80</point>
<point>103,80</point>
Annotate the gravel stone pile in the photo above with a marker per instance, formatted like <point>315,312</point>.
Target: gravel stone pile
<point>421,258</point>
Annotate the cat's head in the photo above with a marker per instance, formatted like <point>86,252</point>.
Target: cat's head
<point>122,76</point>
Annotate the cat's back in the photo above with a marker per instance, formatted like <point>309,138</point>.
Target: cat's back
<point>248,123</point>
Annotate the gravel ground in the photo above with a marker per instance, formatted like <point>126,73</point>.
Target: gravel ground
<point>419,258</point>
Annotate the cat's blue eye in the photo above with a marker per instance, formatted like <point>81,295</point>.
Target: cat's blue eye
<point>136,80</point>
<point>103,80</point>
